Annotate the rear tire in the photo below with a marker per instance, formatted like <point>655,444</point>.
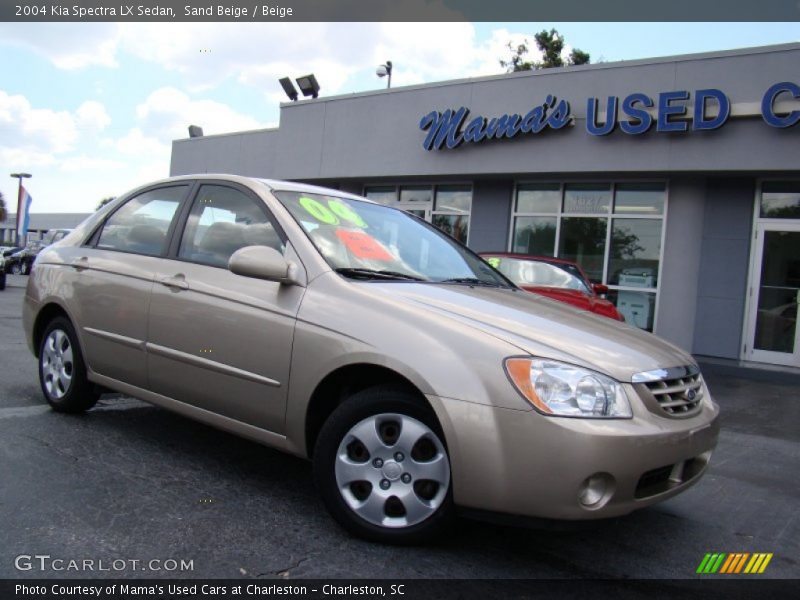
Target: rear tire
<point>2,280</point>
<point>62,372</point>
<point>382,469</point>
<point>16,268</point>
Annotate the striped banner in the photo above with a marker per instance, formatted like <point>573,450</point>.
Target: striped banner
<point>23,215</point>
<point>734,563</point>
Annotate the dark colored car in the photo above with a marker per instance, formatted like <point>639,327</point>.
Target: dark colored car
<point>556,278</point>
<point>20,262</point>
<point>7,252</point>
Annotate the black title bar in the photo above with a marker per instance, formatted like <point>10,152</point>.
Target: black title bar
<point>398,10</point>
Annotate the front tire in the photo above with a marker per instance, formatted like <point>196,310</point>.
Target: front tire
<point>16,268</point>
<point>62,372</point>
<point>382,469</point>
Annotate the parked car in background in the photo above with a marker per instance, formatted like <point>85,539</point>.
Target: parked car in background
<point>20,262</point>
<point>556,278</point>
<point>6,252</point>
<point>416,377</point>
<point>54,235</point>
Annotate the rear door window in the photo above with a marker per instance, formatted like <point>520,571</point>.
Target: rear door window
<point>141,224</point>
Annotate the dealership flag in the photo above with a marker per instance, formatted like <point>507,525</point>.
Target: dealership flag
<point>23,214</point>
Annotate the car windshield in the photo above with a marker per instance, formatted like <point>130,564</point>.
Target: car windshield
<point>540,273</point>
<point>363,240</point>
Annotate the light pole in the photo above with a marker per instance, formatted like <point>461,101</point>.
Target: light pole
<point>385,71</point>
<point>19,177</point>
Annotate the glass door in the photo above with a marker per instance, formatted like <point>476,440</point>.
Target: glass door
<point>773,335</point>
<point>416,200</point>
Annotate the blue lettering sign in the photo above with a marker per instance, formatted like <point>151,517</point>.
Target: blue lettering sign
<point>666,108</point>
<point>700,122</point>
<point>611,116</point>
<point>444,129</point>
<point>768,105</point>
<point>451,128</point>
<point>641,120</point>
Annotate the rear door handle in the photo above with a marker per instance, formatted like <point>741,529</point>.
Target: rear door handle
<point>178,282</point>
<point>80,263</point>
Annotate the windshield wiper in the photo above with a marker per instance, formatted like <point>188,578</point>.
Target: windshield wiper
<point>376,274</point>
<point>472,281</point>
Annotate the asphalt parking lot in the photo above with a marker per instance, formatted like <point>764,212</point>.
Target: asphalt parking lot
<point>134,482</point>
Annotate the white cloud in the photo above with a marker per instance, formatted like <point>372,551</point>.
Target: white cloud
<point>135,143</point>
<point>92,116</point>
<point>88,163</point>
<point>26,128</point>
<point>67,45</point>
<point>167,113</point>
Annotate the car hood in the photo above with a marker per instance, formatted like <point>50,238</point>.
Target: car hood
<point>543,327</point>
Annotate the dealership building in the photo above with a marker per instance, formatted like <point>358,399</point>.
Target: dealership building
<point>674,181</point>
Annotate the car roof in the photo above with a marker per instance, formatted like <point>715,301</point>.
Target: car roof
<point>271,184</point>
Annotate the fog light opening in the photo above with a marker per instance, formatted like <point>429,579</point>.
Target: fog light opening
<point>596,490</point>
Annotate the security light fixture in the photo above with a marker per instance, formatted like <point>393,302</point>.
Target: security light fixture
<point>195,131</point>
<point>288,87</point>
<point>308,85</point>
<point>385,70</point>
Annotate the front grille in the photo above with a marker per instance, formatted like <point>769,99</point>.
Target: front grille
<point>679,396</point>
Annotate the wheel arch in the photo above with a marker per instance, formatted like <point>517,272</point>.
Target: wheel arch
<point>47,313</point>
<point>344,381</point>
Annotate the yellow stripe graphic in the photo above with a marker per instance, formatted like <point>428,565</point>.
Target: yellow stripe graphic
<point>765,563</point>
<point>753,564</point>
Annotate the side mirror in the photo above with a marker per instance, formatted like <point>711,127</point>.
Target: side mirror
<point>600,289</point>
<point>262,262</point>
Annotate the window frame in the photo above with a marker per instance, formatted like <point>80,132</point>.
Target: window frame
<point>183,218</point>
<point>434,187</point>
<point>610,217</point>
<point>94,238</point>
<point>753,269</point>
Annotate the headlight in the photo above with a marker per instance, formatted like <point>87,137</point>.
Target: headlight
<point>559,389</point>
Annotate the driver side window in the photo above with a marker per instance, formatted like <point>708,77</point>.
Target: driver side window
<point>223,220</point>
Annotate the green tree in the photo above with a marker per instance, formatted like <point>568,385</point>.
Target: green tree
<point>3,208</point>
<point>105,201</point>
<point>551,45</point>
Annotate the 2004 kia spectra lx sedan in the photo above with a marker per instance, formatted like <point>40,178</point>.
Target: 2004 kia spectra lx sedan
<point>413,375</point>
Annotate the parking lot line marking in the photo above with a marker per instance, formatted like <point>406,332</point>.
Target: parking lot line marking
<point>23,411</point>
<point>40,409</point>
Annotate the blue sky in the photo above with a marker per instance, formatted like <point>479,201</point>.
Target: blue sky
<point>91,109</point>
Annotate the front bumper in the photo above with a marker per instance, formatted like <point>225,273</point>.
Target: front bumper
<point>527,464</point>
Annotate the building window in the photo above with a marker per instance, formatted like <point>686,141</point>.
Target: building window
<point>448,207</point>
<point>780,200</point>
<point>612,230</point>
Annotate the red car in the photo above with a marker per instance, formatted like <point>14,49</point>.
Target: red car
<point>555,278</point>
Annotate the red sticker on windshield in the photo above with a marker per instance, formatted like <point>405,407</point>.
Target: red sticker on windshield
<point>363,245</point>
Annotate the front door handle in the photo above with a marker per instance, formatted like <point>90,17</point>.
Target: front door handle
<point>178,282</point>
<point>80,263</point>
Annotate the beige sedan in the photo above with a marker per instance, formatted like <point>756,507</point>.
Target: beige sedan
<point>415,377</point>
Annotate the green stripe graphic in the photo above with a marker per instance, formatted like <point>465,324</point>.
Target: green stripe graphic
<point>718,564</point>
<point>703,563</point>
